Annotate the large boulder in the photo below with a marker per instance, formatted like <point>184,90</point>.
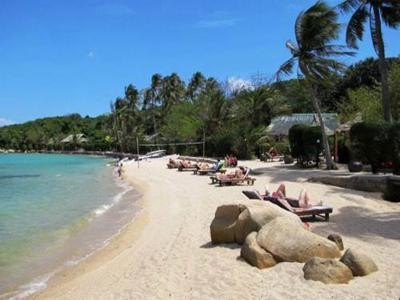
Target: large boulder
<point>256,215</point>
<point>327,271</point>
<point>288,240</point>
<point>359,263</point>
<point>254,254</point>
<point>222,228</point>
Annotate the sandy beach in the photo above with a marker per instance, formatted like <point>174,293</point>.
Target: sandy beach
<point>166,251</point>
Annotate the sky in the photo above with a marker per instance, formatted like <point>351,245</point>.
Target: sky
<point>76,56</point>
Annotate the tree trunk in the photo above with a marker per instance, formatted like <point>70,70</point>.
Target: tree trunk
<point>328,157</point>
<point>387,114</point>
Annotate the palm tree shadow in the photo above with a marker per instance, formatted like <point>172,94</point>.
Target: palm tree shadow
<point>293,173</point>
<point>361,222</point>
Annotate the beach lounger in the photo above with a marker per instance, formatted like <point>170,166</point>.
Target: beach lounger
<point>231,181</point>
<point>210,170</point>
<point>320,211</point>
<point>182,169</point>
<point>187,168</point>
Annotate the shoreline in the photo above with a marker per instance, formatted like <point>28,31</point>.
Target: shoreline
<point>166,251</point>
<point>123,203</point>
<point>112,154</point>
<point>130,232</point>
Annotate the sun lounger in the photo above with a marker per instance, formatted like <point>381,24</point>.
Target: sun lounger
<point>210,170</point>
<point>235,180</point>
<point>185,167</point>
<point>292,205</point>
<point>182,169</point>
<point>246,179</point>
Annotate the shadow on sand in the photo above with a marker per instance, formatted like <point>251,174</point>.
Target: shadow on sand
<point>362,222</point>
<point>210,245</point>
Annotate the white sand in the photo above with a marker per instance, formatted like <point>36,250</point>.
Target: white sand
<point>166,251</point>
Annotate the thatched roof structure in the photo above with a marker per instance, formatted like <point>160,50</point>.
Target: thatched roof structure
<point>77,138</point>
<point>280,126</point>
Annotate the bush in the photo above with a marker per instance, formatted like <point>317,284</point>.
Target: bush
<point>282,147</point>
<point>306,143</point>
<point>394,135</point>
<point>392,192</point>
<point>377,144</point>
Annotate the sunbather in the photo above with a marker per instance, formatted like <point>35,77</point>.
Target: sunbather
<point>187,164</point>
<point>203,166</point>
<point>238,173</point>
<point>173,163</point>
<point>303,200</point>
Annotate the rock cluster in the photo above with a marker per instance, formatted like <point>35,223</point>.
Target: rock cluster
<point>271,235</point>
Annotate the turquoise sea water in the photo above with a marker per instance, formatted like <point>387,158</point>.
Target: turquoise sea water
<point>54,211</point>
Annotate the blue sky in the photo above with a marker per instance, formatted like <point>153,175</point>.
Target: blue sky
<point>59,57</point>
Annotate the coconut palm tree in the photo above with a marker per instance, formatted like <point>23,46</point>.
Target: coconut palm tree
<point>314,54</point>
<point>374,11</point>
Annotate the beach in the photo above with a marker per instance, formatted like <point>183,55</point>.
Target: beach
<point>165,252</point>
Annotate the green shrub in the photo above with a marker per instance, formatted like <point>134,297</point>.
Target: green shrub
<point>394,136</point>
<point>377,144</point>
<point>282,147</point>
<point>305,143</point>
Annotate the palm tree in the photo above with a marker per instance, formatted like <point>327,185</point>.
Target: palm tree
<point>374,11</point>
<point>152,99</point>
<point>196,86</point>
<point>315,29</point>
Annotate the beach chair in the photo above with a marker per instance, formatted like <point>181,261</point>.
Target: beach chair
<point>292,205</point>
<point>186,168</point>
<point>211,170</point>
<point>232,181</point>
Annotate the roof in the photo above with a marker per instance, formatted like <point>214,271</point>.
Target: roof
<point>79,138</point>
<point>282,124</point>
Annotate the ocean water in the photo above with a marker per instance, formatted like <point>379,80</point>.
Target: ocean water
<point>55,210</point>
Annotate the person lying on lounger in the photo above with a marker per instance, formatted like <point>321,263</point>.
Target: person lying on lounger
<point>303,200</point>
<point>187,164</point>
<point>203,166</point>
<point>238,173</point>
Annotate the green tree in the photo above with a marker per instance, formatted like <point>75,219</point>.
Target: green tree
<point>315,29</point>
<point>152,101</point>
<point>172,92</point>
<point>364,102</point>
<point>374,12</point>
<point>196,86</point>
<point>394,85</point>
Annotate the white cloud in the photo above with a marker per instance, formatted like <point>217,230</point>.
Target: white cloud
<point>5,122</point>
<point>217,19</point>
<point>236,84</point>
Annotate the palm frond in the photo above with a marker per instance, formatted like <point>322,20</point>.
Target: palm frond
<point>333,50</point>
<point>373,30</point>
<point>285,69</point>
<point>390,12</point>
<point>318,26</point>
<point>355,28</point>
<point>298,31</point>
<point>350,5</point>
